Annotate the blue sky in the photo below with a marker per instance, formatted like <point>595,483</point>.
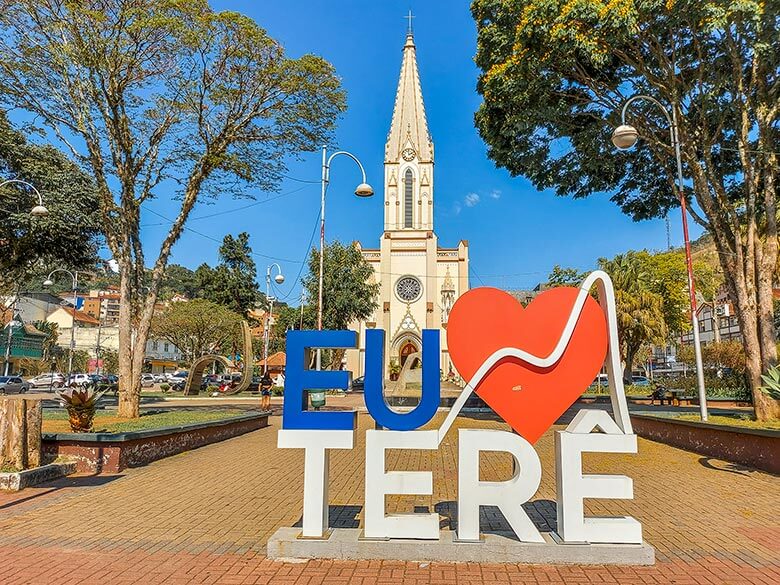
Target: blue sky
<point>516,233</point>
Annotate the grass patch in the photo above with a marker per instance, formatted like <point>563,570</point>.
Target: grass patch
<point>57,421</point>
<point>743,420</point>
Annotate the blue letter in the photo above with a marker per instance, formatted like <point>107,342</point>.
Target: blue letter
<point>299,379</point>
<point>375,375</point>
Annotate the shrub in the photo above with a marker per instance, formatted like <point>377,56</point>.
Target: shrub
<point>277,391</point>
<point>165,387</point>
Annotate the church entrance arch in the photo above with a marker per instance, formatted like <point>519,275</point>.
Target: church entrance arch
<point>407,349</point>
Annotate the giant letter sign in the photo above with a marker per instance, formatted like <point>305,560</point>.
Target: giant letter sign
<point>529,365</point>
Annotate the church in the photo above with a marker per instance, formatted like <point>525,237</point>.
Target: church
<point>419,280</point>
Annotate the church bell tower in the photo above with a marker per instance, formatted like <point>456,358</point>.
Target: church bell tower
<point>409,153</point>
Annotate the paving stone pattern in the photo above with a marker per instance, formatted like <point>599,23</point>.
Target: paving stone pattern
<point>205,516</point>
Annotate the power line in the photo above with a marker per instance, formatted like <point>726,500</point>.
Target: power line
<point>213,239</point>
<point>306,257</point>
<point>256,203</point>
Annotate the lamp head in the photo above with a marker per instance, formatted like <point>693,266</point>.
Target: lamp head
<point>624,136</point>
<point>279,278</point>
<point>48,282</point>
<point>364,190</point>
<point>39,211</point>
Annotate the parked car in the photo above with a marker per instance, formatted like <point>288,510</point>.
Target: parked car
<point>601,380</point>
<point>50,380</point>
<point>160,378</point>
<point>147,380</point>
<point>13,385</point>
<point>640,381</point>
<point>78,380</point>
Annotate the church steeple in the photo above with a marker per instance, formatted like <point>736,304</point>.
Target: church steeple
<point>409,152</point>
<point>409,128</point>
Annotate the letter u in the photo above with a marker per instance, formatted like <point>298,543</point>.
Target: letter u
<point>374,383</point>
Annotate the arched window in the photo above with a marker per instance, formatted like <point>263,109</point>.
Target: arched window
<point>408,198</point>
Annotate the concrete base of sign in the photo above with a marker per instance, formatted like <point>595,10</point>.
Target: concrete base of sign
<point>348,544</point>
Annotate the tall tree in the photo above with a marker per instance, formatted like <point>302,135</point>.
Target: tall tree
<point>349,292</point>
<point>233,283</point>
<point>68,235</point>
<point>640,311</point>
<point>198,327</point>
<point>153,94</point>
<point>667,276</point>
<point>555,74</point>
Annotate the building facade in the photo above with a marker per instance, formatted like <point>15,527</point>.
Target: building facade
<point>419,280</point>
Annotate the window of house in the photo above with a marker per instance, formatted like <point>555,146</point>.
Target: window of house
<point>165,347</point>
<point>154,346</point>
<point>408,198</point>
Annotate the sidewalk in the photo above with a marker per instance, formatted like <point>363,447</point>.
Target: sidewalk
<point>204,517</point>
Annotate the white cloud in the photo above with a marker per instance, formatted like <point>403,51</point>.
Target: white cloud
<point>495,194</point>
<point>457,207</point>
<point>472,199</point>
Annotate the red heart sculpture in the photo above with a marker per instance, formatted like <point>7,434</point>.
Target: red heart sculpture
<point>527,397</point>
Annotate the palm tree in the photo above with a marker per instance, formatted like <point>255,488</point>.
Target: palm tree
<point>640,312</point>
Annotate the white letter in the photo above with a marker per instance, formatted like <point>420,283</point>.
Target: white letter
<point>574,487</point>
<point>508,495</point>
<point>379,483</point>
<point>316,445</point>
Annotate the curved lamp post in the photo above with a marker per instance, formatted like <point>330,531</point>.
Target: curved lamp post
<point>278,279</point>
<point>38,210</point>
<point>75,278</point>
<point>625,136</point>
<point>362,190</point>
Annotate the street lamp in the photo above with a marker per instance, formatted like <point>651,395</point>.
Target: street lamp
<point>625,136</point>
<point>38,210</point>
<point>278,279</point>
<point>362,190</point>
<point>75,278</point>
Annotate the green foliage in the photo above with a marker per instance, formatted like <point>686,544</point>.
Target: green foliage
<point>80,360</point>
<point>69,234</point>
<point>772,383</point>
<point>198,327</point>
<point>640,316</point>
<point>50,342</point>
<point>565,277</point>
<point>555,72</point>
<point>179,279</point>
<point>232,283</point>
<point>715,356</point>
<point>667,276</point>
<point>110,360</point>
<point>349,292</point>
<point>165,387</point>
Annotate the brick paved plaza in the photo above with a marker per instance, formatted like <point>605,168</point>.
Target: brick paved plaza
<point>205,516</point>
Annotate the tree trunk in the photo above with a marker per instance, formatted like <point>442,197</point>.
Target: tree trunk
<point>129,375</point>
<point>20,433</point>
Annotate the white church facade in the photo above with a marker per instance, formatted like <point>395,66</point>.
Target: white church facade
<point>419,280</point>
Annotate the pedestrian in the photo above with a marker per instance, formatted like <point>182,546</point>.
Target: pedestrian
<point>265,392</point>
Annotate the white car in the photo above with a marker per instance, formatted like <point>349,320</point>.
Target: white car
<point>50,380</point>
<point>160,378</point>
<point>147,380</point>
<point>78,380</point>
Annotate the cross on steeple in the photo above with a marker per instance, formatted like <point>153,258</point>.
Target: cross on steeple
<point>410,16</point>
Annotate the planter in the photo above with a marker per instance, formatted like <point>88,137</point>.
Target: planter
<point>750,447</point>
<point>113,452</point>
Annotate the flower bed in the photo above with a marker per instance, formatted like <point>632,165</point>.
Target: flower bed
<point>113,452</point>
<point>759,448</point>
